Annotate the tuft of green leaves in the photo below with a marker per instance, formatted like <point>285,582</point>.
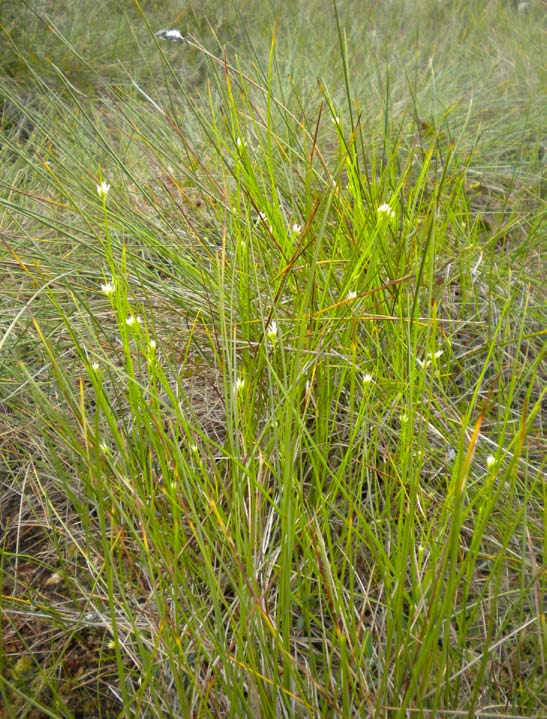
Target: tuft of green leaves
<point>270,427</point>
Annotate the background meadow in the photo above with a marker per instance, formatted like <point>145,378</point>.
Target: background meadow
<point>270,359</point>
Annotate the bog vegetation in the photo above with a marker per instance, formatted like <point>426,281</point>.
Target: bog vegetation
<point>270,353</point>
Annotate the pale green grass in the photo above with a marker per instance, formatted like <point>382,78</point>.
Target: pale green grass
<point>270,431</point>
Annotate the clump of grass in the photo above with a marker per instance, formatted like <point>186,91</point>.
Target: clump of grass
<point>271,396</point>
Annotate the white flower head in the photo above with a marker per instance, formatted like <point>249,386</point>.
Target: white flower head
<point>430,358</point>
<point>240,142</point>
<point>152,345</point>
<point>368,379</point>
<point>271,331</point>
<point>490,461</point>
<point>262,217</point>
<point>351,295</point>
<point>95,366</point>
<point>102,189</point>
<point>133,321</point>
<point>240,384</point>
<point>108,288</point>
<point>386,211</point>
<point>172,34</point>
<point>296,229</point>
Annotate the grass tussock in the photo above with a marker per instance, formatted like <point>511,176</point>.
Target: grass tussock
<point>270,360</point>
